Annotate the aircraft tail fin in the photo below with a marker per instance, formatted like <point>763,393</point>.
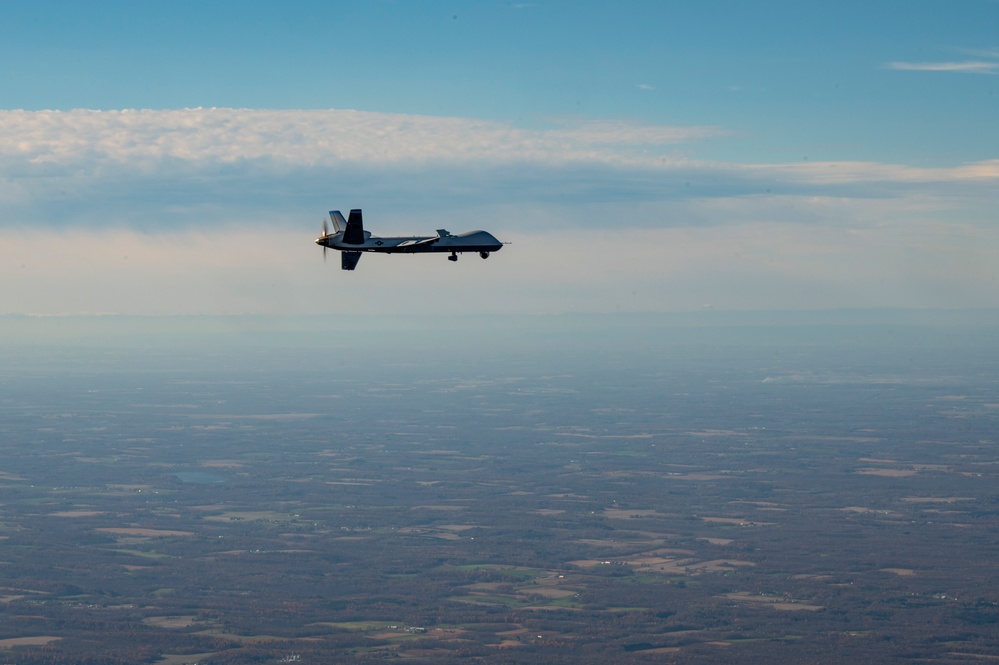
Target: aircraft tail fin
<point>339,224</point>
<point>354,231</point>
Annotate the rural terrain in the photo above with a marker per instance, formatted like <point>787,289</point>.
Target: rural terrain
<point>643,501</point>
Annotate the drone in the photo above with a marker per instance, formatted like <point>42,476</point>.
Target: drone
<point>350,238</point>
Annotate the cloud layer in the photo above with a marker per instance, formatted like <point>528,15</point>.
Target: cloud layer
<point>964,67</point>
<point>213,210</point>
<point>210,166</point>
<point>314,138</point>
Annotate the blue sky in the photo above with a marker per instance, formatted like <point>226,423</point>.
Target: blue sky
<point>640,156</point>
<point>789,79</point>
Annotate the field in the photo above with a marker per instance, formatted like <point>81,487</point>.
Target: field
<point>733,500</point>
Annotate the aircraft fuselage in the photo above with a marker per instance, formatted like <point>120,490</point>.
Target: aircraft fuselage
<point>473,241</point>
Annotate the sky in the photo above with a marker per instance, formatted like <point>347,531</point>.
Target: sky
<point>162,158</point>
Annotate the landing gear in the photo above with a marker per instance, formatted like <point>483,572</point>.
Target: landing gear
<point>484,255</point>
<point>453,257</point>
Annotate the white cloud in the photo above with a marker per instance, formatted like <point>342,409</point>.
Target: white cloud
<point>205,167</point>
<point>859,172</point>
<point>214,211</point>
<point>966,67</point>
<point>309,137</point>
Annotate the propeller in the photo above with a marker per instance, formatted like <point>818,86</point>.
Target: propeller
<point>326,233</point>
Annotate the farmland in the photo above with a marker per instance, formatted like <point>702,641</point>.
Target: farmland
<point>691,505</point>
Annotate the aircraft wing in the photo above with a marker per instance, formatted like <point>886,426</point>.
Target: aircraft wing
<point>348,260</point>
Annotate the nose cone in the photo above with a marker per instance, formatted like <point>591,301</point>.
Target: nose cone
<point>480,241</point>
<point>490,240</point>
<point>321,241</point>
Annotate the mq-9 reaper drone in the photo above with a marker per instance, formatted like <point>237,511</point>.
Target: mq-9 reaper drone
<point>350,238</point>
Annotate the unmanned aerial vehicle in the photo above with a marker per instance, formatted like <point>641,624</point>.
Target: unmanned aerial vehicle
<point>350,238</point>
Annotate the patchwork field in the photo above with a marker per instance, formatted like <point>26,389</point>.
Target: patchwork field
<point>516,510</point>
